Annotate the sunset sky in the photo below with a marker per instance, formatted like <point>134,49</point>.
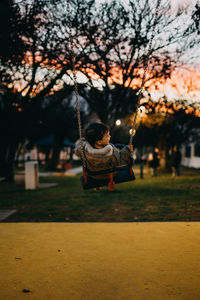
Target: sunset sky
<point>185,81</point>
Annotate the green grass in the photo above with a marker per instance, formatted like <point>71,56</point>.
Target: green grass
<point>161,198</point>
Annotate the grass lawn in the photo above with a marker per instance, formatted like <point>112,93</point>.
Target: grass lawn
<point>161,198</point>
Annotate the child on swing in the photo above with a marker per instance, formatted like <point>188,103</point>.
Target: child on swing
<point>99,152</point>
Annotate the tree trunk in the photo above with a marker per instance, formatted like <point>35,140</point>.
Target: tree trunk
<point>164,155</point>
<point>7,158</point>
<point>55,157</point>
<point>47,152</point>
<point>162,146</point>
<point>163,160</point>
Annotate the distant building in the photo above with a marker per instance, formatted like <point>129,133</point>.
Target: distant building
<point>191,155</point>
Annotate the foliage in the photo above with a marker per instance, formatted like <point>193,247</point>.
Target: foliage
<point>11,27</point>
<point>195,26</point>
<point>56,116</point>
<point>110,43</point>
<point>28,74</point>
<point>114,42</point>
<point>167,124</point>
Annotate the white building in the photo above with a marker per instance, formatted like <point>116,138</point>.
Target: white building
<point>191,155</point>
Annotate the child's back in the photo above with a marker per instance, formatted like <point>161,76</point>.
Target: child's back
<point>99,153</point>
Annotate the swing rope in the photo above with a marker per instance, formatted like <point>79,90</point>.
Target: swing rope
<point>133,130</point>
<point>73,58</point>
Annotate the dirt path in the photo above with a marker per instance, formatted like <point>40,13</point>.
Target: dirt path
<point>100,261</point>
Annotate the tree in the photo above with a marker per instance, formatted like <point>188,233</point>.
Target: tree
<point>110,44</point>
<point>10,30</point>
<point>29,71</point>
<point>167,124</point>
<point>195,25</point>
<point>58,118</point>
<point>112,41</point>
<point>196,17</point>
<point>12,130</point>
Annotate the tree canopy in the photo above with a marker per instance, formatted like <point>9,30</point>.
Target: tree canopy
<point>166,124</point>
<point>110,41</point>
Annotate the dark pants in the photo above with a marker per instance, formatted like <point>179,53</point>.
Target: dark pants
<point>176,171</point>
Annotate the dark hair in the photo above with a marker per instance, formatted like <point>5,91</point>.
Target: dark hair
<point>95,132</point>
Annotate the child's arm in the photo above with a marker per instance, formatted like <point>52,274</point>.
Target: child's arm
<point>122,157</point>
<point>77,149</point>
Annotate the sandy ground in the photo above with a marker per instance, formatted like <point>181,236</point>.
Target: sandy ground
<point>100,261</point>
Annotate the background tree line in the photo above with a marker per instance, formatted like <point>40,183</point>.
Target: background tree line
<point>110,42</point>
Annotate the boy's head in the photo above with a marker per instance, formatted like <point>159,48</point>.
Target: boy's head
<point>98,135</point>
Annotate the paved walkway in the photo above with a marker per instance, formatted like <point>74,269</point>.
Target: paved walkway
<point>100,261</point>
<point>70,172</point>
<point>5,213</point>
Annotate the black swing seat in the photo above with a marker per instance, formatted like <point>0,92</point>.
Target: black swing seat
<point>115,175</point>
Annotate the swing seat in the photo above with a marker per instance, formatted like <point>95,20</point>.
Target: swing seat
<point>115,175</point>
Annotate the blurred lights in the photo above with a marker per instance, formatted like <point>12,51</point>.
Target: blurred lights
<point>118,122</point>
<point>142,110</point>
<point>132,132</point>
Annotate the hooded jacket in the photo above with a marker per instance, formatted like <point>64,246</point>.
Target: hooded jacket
<point>104,158</point>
